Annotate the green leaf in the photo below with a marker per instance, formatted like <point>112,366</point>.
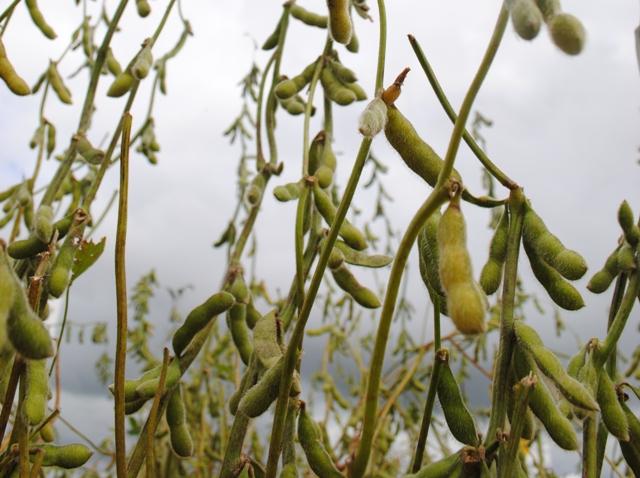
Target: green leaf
<point>88,253</point>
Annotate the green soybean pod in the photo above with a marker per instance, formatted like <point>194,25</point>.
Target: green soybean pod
<point>544,406</point>
<point>253,192</point>
<point>317,456</point>
<point>143,61</point>
<point>627,223</point>
<point>61,90</point>
<point>456,413</point>
<point>354,44</point>
<point>112,64</point>
<point>8,291</point>
<point>237,323</point>
<point>526,18</point>
<point>340,25</point>
<point>51,139</point>
<point>491,274</point>
<point>357,90</point>
<point>121,84</point>
<point>549,8</point>
<point>442,468</point>
<point>602,279</point>
<point>8,74</point>
<point>429,258</point>
<point>359,258</point>
<point>133,406</point>
<point>289,471</point>
<point>294,106</point>
<point>568,263</point>
<point>560,291</point>
<point>316,149</point>
<point>288,192</point>
<point>65,456</point>
<point>38,19</point>
<point>307,17</point>
<point>631,449</point>
<point>43,223</point>
<point>344,74</point>
<point>260,396</point>
<point>147,388</point>
<point>626,259</point>
<point>61,268</point>
<point>567,33</point>
<point>576,362</point>
<point>327,210</point>
<point>176,415</point>
<point>248,380</point>
<point>416,154</point>
<point>25,330</point>
<point>36,391</point>
<point>143,7</point>
<point>613,414</point>
<point>336,91</point>
<point>199,317</point>
<point>253,315</point>
<point>267,340</point>
<point>327,166</point>
<point>272,40</point>
<point>348,282</point>
<point>549,364</point>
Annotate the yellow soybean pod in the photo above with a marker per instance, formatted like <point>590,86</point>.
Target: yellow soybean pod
<point>15,83</point>
<point>38,19</point>
<point>340,21</point>
<point>64,94</point>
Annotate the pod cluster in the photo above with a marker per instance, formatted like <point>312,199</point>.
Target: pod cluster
<point>553,264</point>
<point>624,257</point>
<point>566,31</point>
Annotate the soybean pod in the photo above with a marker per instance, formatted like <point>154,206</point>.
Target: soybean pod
<point>237,319</point>
<point>351,235</point>
<point>442,468</point>
<point>429,261</point>
<point>63,263</point>
<point>544,405</point>
<point>38,19</point>
<point>65,456</point>
<point>491,274</point>
<point>602,279</point>
<point>466,303</point>
<point>181,441</point>
<point>613,414</point>
<point>335,90</point>
<point>8,74</point>
<point>317,456</point>
<point>560,290</point>
<point>359,258</point>
<point>526,18</point>
<point>199,317</point>
<point>25,330</point>
<point>340,25</point>
<point>548,247</point>
<point>549,364</point>
<point>61,90</point>
<point>288,192</point>
<point>456,413</point>
<point>260,396</point>
<point>628,224</point>
<point>307,17</point>
<point>348,282</point>
<point>147,389</point>
<point>416,154</point>
<point>36,391</point>
<point>26,248</point>
<point>143,8</point>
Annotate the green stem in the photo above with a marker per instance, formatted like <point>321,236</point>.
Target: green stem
<point>271,97</point>
<point>435,199</point>
<point>505,347</point>
<point>121,302</point>
<point>620,320</point>
<point>8,10</point>
<point>589,445</point>
<point>508,457</point>
<point>426,417</point>
<point>299,244</point>
<point>444,102</point>
<point>263,82</point>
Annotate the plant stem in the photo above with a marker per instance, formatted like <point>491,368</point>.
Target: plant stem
<point>444,102</point>
<point>426,416</point>
<point>431,393</point>
<point>589,444</point>
<point>619,322</point>
<point>121,301</point>
<point>153,416</point>
<point>435,199</point>
<point>505,347</point>
<point>263,82</point>
<point>508,457</point>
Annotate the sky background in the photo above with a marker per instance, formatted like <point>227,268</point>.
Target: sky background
<point>566,128</point>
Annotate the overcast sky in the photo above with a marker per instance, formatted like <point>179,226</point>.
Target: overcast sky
<point>566,128</point>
